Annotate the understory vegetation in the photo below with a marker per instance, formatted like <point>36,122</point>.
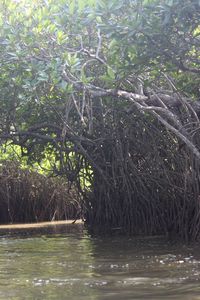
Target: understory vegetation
<point>27,196</point>
<point>108,92</point>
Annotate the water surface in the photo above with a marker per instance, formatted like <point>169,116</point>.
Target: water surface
<point>72,265</point>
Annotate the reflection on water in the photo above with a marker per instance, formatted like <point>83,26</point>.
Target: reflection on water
<point>74,266</point>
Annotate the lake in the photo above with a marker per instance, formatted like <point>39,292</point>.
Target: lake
<point>67,263</point>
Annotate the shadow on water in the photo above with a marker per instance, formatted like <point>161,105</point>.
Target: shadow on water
<point>66,263</point>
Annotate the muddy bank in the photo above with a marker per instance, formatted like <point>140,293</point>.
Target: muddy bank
<point>42,228</point>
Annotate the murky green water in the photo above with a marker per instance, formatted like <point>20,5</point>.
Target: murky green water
<point>76,266</point>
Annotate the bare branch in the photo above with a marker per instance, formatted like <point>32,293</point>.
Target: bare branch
<point>99,43</point>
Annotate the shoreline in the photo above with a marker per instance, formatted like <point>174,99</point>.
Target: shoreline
<point>40,224</point>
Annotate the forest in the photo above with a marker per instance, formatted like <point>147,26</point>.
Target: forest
<point>100,102</point>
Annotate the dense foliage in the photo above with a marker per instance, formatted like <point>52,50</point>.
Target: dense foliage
<point>110,91</point>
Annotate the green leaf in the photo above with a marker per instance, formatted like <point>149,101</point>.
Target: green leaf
<point>63,85</point>
<point>72,7</point>
<point>99,19</point>
<point>81,5</point>
<point>60,37</point>
<point>101,3</point>
<point>111,73</point>
<point>83,77</point>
